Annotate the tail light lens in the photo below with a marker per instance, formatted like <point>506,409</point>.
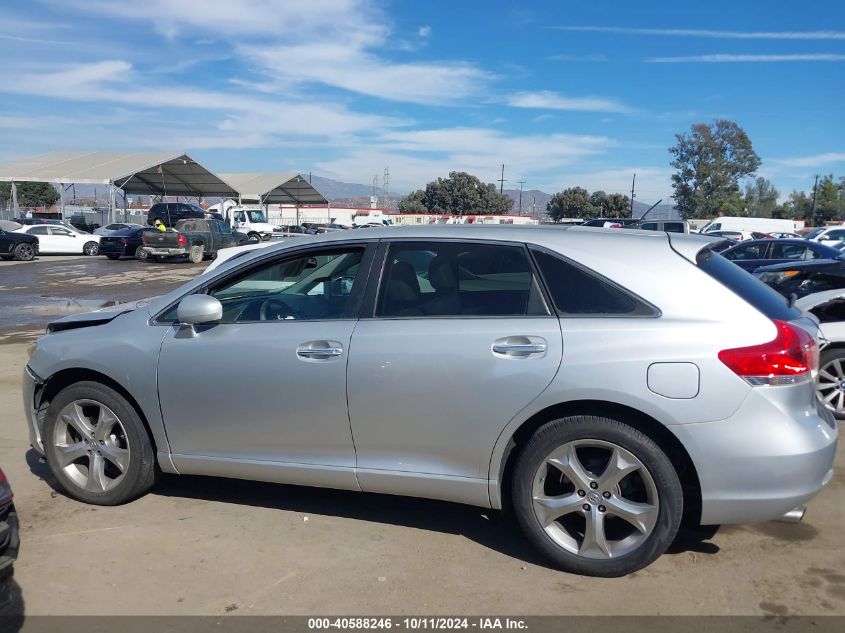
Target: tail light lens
<point>5,491</point>
<point>182,240</point>
<point>791,357</point>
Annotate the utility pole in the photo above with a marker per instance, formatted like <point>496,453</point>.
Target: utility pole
<point>633,195</point>
<point>815,187</point>
<point>502,180</point>
<point>386,186</point>
<point>521,182</point>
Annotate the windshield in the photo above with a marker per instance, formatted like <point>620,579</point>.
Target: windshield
<point>256,216</point>
<point>813,233</point>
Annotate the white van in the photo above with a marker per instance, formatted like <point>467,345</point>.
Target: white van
<point>758,225</point>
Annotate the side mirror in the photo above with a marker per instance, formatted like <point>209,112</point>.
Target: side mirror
<point>199,309</point>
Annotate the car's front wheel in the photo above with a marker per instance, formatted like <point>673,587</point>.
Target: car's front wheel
<point>97,446</point>
<point>596,496</point>
<point>24,252</point>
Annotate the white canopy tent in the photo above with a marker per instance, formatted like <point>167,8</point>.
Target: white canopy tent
<point>144,173</point>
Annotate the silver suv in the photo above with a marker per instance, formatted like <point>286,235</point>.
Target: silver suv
<point>608,385</point>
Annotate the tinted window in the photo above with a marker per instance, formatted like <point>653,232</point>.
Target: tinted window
<point>649,226</point>
<point>576,291</point>
<point>673,227</point>
<point>38,230</point>
<point>306,287</point>
<point>790,251</point>
<point>748,251</point>
<point>746,286</point>
<point>458,279</point>
<point>835,235</point>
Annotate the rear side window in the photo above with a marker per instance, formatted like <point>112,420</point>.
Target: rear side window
<point>746,286</point>
<point>673,227</point>
<point>576,291</point>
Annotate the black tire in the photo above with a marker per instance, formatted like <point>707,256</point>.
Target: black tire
<point>141,471</point>
<point>90,249</point>
<point>140,254</point>
<point>24,252</point>
<point>113,256</point>
<point>823,384</point>
<point>254,238</point>
<point>196,253</point>
<point>670,500</point>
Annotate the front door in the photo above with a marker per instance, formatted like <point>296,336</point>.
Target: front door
<point>265,388</point>
<point>459,342</point>
<point>64,241</point>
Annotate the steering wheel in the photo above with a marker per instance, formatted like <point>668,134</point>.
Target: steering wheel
<point>273,309</point>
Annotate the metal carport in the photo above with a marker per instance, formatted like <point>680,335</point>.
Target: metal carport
<point>274,188</point>
<point>145,173</point>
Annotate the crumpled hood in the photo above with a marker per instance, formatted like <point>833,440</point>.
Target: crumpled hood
<point>97,317</point>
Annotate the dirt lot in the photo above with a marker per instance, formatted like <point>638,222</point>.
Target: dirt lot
<point>212,546</point>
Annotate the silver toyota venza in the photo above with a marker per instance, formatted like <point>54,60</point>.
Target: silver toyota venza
<point>605,384</point>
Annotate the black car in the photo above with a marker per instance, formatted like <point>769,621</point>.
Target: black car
<point>171,212</point>
<point>20,246</point>
<point>753,254</point>
<point>124,242</point>
<point>9,540</point>
<point>804,278</point>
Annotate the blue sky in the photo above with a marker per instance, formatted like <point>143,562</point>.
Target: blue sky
<point>564,93</point>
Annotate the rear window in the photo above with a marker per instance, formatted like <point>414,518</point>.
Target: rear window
<point>746,286</point>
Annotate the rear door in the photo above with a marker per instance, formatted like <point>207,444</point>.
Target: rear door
<point>749,256</point>
<point>457,339</point>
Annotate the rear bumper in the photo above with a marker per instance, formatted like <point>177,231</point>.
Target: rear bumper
<point>770,457</point>
<point>153,251</point>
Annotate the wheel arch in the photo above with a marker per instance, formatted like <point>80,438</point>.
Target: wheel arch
<point>643,422</point>
<point>66,377</point>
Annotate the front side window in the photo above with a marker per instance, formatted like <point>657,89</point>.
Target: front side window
<point>435,279</point>
<point>304,287</point>
<point>256,216</point>
<point>576,291</point>
<point>60,232</point>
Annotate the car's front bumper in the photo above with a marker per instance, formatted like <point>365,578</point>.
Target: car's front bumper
<point>773,455</point>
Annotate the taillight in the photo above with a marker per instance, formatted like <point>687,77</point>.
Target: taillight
<point>790,358</point>
<point>182,240</point>
<point>5,491</point>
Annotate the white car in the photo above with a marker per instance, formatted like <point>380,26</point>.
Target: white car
<point>827,234</point>
<point>828,307</point>
<point>226,254</point>
<point>117,226</point>
<point>56,239</point>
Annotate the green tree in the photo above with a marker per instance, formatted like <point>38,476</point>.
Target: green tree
<point>598,199</point>
<point>710,161</point>
<point>572,203</point>
<point>761,198</point>
<point>828,200</point>
<point>618,206</point>
<point>31,194</point>
<point>461,193</point>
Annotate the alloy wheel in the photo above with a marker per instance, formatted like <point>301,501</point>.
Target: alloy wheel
<point>595,499</point>
<point>25,252</point>
<point>830,387</point>
<point>91,445</point>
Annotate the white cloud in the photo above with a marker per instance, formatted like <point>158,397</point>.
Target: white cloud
<point>729,58</point>
<point>548,100</point>
<point>817,160</point>
<point>424,31</point>
<point>713,34</point>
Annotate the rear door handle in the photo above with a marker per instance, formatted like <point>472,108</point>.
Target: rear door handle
<point>519,346</point>
<point>319,350</point>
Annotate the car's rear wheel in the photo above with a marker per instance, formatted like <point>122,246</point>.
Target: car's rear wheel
<point>140,253</point>
<point>195,254</point>
<point>830,387</point>
<point>24,252</point>
<point>90,249</point>
<point>596,496</point>
<point>97,446</point>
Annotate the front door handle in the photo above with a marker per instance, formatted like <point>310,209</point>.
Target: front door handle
<point>519,346</point>
<point>319,350</point>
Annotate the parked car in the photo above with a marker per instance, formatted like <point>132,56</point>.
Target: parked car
<point>123,243</point>
<point>804,278</point>
<point>110,229</point>
<point>251,221</point>
<point>739,236</point>
<point>753,254</point>
<point>748,224</point>
<point>828,307</point>
<point>827,234</point>
<point>194,239</point>
<point>172,212</point>
<point>55,239</point>
<point>669,226</point>
<point>291,229</point>
<point>16,245</point>
<point>9,529</point>
<point>654,413</point>
<point>784,236</point>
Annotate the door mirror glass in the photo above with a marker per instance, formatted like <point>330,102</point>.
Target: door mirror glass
<point>198,309</point>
